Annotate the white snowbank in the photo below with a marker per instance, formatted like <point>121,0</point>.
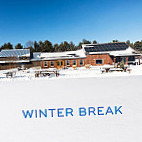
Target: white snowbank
<point>16,96</point>
<point>94,71</point>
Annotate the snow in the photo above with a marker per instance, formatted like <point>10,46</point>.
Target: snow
<point>128,52</point>
<point>36,56</point>
<point>15,61</point>
<point>72,89</point>
<point>82,72</point>
<point>17,95</point>
<point>63,55</point>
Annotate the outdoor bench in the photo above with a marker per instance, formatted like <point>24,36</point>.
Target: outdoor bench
<point>46,73</point>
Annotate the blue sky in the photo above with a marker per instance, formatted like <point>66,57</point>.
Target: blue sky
<point>70,20</point>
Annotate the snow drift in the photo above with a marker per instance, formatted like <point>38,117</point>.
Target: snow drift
<point>18,95</point>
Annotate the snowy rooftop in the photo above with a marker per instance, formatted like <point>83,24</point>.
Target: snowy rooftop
<point>113,49</point>
<point>104,47</point>
<point>36,56</point>
<point>128,52</point>
<point>15,53</point>
<point>63,55</point>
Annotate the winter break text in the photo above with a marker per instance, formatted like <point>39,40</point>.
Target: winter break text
<point>70,112</point>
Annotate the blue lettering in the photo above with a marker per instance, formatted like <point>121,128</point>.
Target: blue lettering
<point>30,114</point>
<point>82,111</point>
<point>69,111</point>
<point>100,110</point>
<point>51,111</point>
<point>43,113</point>
<point>109,110</point>
<point>60,114</point>
<point>118,110</point>
<point>35,113</point>
<point>91,110</point>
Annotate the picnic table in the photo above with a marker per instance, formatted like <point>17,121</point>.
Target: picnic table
<point>112,69</point>
<point>10,74</point>
<point>116,69</point>
<point>106,69</point>
<point>46,73</point>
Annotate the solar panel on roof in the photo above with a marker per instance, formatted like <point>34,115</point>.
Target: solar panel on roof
<point>107,47</point>
<point>14,53</point>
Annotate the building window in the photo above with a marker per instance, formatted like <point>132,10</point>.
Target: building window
<point>123,59</point>
<point>58,63</point>
<point>52,64</point>
<point>81,62</point>
<point>131,58</point>
<point>99,61</point>
<point>74,62</point>
<point>45,64</point>
<point>61,63</point>
<point>68,62</point>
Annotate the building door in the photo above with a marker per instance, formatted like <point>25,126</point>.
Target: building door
<point>60,64</point>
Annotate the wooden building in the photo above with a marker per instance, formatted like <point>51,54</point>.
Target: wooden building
<point>63,59</point>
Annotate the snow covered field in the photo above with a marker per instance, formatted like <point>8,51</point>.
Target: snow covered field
<point>17,95</point>
<point>70,73</point>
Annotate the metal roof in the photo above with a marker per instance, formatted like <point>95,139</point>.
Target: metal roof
<point>105,47</point>
<point>15,53</point>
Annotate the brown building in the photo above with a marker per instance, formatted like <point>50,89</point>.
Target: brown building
<point>14,58</point>
<point>21,58</point>
<point>63,59</point>
<point>110,53</point>
<point>91,54</point>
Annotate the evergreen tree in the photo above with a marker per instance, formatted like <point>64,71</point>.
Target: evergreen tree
<point>79,46</point>
<point>47,46</point>
<point>56,47</point>
<point>94,42</point>
<point>19,46</point>
<point>138,45</point>
<point>115,40</point>
<point>129,43</point>
<point>84,41</point>
<point>61,47</point>
<point>7,46</point>
<point>72,46</point>
<point>36,47</point>
<point>66,46</point>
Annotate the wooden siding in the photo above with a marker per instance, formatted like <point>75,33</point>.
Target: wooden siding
<point>64,63</point>
<point>91,59</point>
<point>7,66</point>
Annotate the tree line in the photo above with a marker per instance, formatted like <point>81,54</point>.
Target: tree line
<point>47,46</point>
